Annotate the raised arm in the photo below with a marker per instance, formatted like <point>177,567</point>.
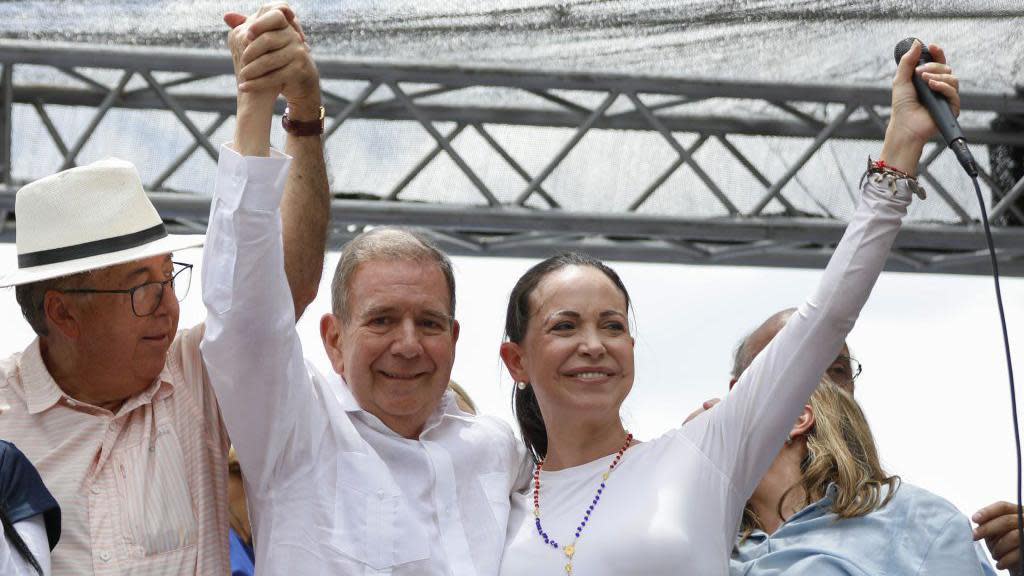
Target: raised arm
<point>250,345</point>
<point>745,432</point>
<point>305,209</point>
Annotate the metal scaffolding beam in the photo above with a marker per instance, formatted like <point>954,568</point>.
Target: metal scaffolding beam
<point>176,83</point>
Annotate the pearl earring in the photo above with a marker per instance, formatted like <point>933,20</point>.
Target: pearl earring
<point>521,385</point>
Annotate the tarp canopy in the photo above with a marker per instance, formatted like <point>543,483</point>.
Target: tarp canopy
<point>837,44</point>
<point>800,41</point>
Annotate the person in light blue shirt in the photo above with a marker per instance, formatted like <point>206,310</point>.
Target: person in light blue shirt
<point>827,508</point>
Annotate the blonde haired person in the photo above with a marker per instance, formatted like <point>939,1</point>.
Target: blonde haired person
<point>997,523</point>
<point>826,506</point>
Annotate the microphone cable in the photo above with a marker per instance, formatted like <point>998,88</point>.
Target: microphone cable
<point>1009,368</point>
<point>945,121</point>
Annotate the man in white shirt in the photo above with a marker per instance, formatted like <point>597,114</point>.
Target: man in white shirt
<point>380,473</point>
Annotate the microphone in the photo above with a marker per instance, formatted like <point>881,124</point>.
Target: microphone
<point>938,107</point>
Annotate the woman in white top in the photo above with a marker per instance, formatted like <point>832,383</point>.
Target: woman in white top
<point>600,503</point>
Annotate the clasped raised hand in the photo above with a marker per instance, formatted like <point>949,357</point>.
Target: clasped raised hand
<point>271,56</point>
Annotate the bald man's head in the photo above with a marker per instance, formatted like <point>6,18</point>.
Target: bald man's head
<point>751,346</point>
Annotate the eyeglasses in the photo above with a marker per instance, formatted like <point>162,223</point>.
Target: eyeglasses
<point>146,297</point>
<point>844,370</point>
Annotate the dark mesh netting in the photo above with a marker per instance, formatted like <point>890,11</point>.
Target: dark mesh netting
<point>1007,163</point>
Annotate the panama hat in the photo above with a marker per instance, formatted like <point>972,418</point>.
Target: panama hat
<point>87,218</point>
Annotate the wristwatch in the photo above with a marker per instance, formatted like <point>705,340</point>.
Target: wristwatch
<point>298,128</point>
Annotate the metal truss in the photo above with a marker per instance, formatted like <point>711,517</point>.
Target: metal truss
<point>772,231</point>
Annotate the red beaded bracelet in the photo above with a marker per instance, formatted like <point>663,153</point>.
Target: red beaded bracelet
<point>881,166</point>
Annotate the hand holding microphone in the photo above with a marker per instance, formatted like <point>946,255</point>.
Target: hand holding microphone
<point>925,100</point>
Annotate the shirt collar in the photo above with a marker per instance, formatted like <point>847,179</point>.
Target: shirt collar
<point>755,538</point>
<point>812,510</point>
<point>818,508</point>
<point>42,391</point>
<point>344,395</point>
<point>161,388</point>
<point>448,410</point>
<point>448,407</point>
<point>830,495</point>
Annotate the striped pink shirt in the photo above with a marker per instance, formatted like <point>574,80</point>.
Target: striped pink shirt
<point>142,491</point>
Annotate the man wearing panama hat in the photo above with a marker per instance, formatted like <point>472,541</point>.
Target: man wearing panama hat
<point>111,402</point>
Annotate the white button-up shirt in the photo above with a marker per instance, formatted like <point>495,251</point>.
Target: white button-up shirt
<point>331,489</point>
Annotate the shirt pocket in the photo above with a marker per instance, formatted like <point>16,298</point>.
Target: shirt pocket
<point>156,502</point>
<point>374,523</point>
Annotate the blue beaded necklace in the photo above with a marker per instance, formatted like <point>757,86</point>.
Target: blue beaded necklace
<point>570,550</point>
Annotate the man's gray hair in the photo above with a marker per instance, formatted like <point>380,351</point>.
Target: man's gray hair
<point>386,244</point>
<point>31,298</point>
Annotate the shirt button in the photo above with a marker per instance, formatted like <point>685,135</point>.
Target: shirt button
<point>112,425</point>
<point>380,494</point>
<point>95,490</point>
<point>105,556</point>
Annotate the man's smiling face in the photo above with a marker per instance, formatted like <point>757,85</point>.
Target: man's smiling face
<point>397,347</point>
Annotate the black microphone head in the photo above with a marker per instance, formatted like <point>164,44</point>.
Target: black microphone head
<point>906,44</point>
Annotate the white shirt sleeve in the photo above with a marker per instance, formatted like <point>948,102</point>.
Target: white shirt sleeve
<point>744,433</point>
<point>33,532</point>
<point>250,346</point>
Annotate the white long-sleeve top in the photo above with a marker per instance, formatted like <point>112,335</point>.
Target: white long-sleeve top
<point>331,489</point>
<point>673,505</point>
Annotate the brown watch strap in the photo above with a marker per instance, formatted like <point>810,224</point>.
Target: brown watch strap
<point>299,128</point>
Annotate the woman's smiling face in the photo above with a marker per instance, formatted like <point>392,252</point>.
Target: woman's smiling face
<point>577,352</point>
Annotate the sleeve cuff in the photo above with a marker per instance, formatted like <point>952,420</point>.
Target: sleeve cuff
<point>888,187</point>
<point>251,182</point>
